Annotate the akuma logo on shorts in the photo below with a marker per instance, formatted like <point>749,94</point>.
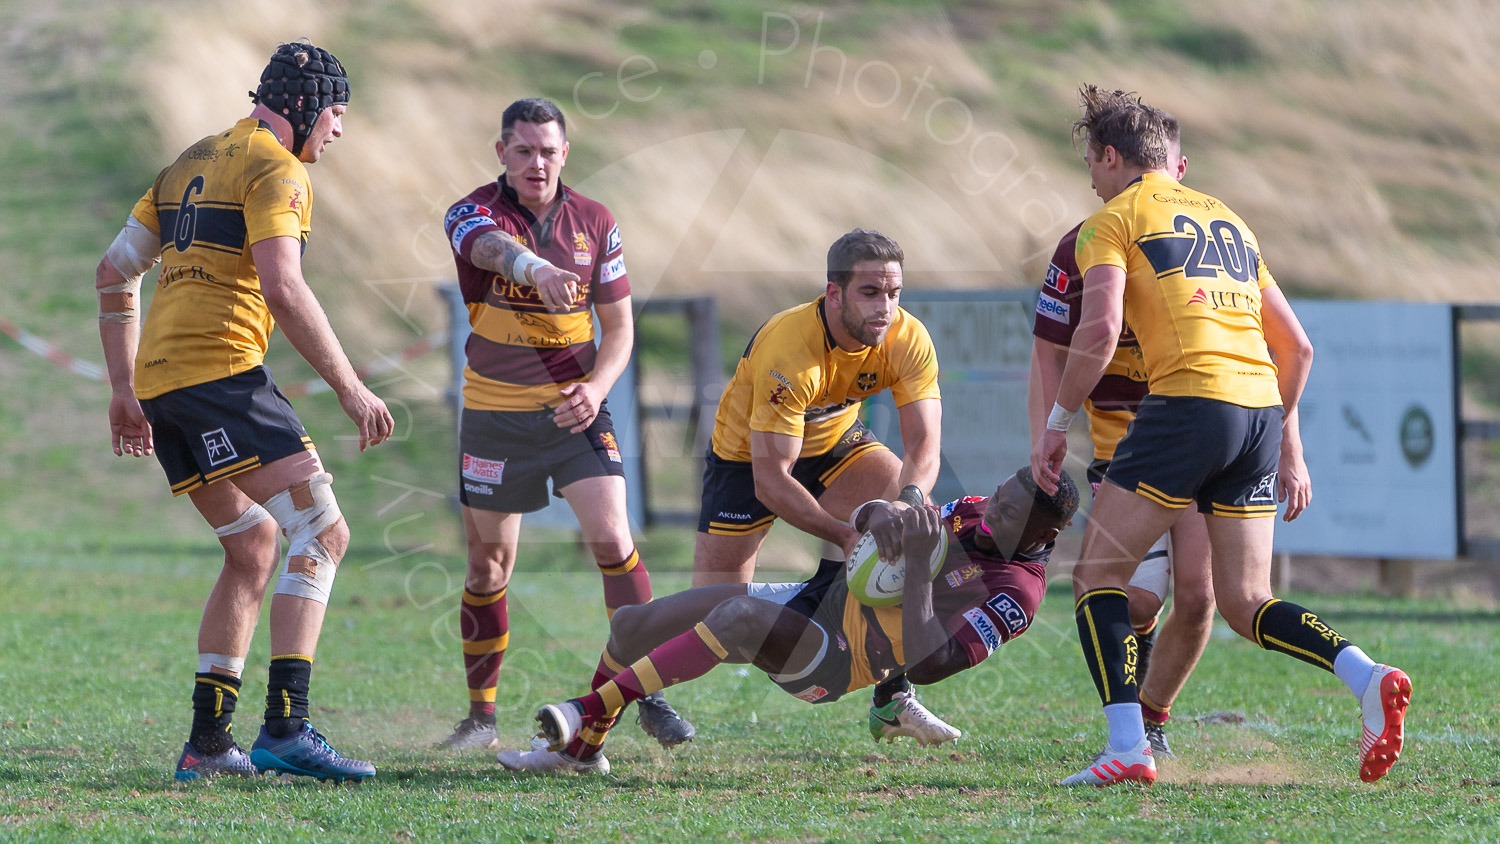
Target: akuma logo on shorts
<point>220,449</point>
<point>479,469</point>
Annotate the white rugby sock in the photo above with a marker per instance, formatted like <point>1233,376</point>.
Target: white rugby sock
<point>1354,668</point>
<point>1125,727</point>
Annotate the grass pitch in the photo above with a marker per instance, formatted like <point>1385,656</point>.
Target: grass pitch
<point>96,656</point>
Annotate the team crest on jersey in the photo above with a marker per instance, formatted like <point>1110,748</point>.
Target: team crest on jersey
<point>220,449</point>
<point>778,395</point>
<point>1057,279</point>
<point>581,254</point>
<point>866,380</point>
<point>611,448</point>
<point>479,469</point>
<point>964,574</point>
<point>295,203</point>
<point>1265,491</point>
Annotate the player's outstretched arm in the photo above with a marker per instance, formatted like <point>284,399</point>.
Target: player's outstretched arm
<point>1102,316</point>
<point>1047,362</point>
<point>500,253</point>
<point>771,459</point>
<point>931,654</point>
<point>279,263</point>
<point>921,436</point>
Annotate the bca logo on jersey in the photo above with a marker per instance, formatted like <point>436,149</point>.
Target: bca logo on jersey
<point>1057,279</point>
<point>612,241</point>
<point>1009,611</point>
<point>1265,491</point>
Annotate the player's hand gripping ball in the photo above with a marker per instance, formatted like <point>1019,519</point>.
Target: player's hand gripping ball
<point>878,583</point>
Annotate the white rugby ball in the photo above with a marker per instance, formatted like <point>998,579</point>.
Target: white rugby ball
<point>877,583</point>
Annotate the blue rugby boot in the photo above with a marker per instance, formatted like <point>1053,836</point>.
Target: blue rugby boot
<point>306,754</point>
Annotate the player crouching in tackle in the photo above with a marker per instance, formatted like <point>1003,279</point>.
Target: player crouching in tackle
<point>812,638</point>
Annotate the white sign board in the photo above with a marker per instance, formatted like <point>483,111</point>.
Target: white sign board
<point>1378,429</point>
<point>983,343</point>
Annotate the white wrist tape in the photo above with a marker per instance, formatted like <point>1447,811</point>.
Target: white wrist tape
<point>233,664</point>
<point>525,264</point>
<point>1060,418</point>
<point>304,512</point>
<point>248,519</point>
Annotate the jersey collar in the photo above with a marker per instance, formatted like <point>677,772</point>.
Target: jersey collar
<point>829,344</point>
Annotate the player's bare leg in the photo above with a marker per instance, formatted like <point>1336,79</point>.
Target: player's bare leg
<point>599,505</point>
<point>248,536</point>
<point>299,496</point>
<point>1122,527</point>
<point>1184,633</point>
<point>720,558</point>
<point>491,540</point>
<point>1242,582</point>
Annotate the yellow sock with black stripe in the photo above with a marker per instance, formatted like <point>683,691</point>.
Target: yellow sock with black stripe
<point>1287,628</point>
<point>214,697</point>
<point>286,694</point>
<point>685,657</point>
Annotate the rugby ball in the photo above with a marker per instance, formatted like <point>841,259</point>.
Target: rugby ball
<point>877,583</point>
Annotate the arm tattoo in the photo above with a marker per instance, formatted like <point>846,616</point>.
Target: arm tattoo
<point>497,251</point>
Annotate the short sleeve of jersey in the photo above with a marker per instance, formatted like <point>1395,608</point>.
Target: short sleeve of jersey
<point>464,223</point>
<point>1103,240</point>
<point>145,209</point>
<point>1057,306</point>
<point>916,364</point>
<point>1263,274</point>
<point>781,390</point>
<point>611,284</point>
<point>278,202</point>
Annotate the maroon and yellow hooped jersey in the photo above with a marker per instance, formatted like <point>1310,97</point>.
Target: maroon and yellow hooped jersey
<point>519,353</point>
<point>794,379</point>
<point>208,319</point>
<point>1193,282</point>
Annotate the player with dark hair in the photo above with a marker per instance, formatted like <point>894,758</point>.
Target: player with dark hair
<point>229,220</point>
<point>814,640</point>
<point>1227,361</point>
<point>537,262</point>
<point>1181,563</point>
<point>788,442</point>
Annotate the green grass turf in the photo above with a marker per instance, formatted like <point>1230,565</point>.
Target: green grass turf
<point>96,655</point>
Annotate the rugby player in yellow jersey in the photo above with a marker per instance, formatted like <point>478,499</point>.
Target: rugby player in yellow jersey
<point>788,442</point>
<point>1227,361</point>
<point>229,220</point>
<point>1111,406</point>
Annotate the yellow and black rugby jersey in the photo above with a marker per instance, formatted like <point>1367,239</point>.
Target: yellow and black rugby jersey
<point>208,319</point>
<point>1193,277</point>
<point>519,353</point>
<point>794,379</point>
<point>1114,400</point>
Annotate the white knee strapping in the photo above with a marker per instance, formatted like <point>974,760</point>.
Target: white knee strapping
<point>248,519</point>
<point>304,512</point>
<point>1155,570</point>
<point>208,662</point>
